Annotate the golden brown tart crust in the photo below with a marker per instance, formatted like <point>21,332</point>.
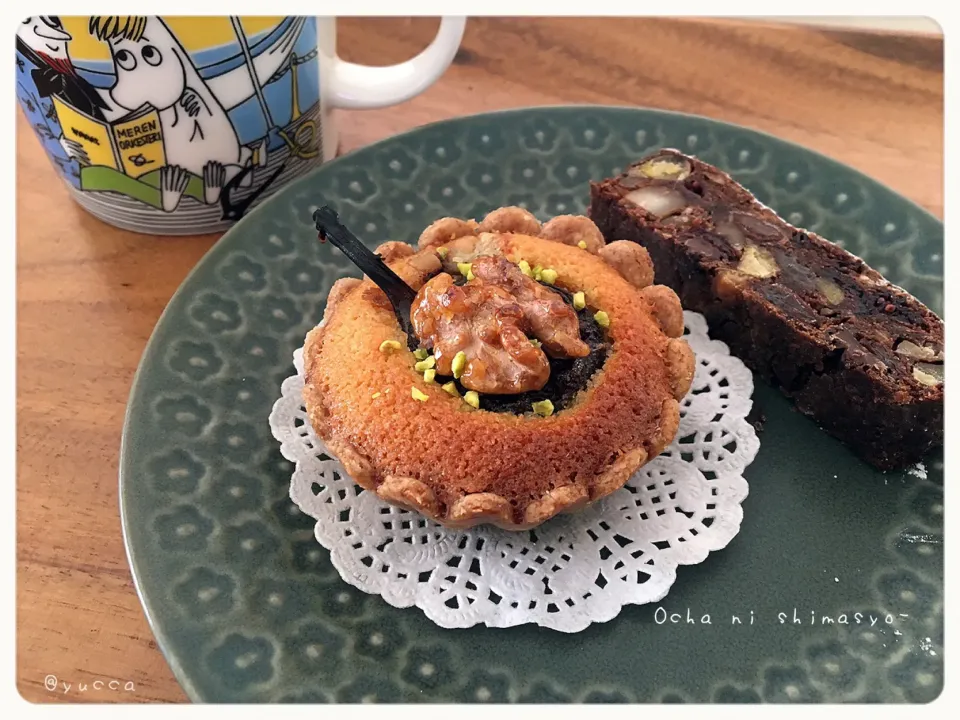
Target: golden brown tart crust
<point>464,467</point>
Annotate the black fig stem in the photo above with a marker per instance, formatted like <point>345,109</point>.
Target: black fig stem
<point>400,294</point>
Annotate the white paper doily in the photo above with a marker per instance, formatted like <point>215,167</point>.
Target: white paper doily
<point>575,569</point>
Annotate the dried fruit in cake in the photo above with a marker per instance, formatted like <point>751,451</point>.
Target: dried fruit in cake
<point>856,353</point>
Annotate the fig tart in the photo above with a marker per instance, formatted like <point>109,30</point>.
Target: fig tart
<point>505,372</point>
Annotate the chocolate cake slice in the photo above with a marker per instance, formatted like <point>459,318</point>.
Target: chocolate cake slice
<point>859,355</point>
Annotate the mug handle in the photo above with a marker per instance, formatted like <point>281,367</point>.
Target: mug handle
<point>357,87</point>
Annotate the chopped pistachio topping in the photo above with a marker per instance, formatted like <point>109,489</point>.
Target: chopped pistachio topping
<point>535,342</point>
<point>472,398</point>
<point>451,388</point>
<point>525,268</point>
<point>603,320</point>
<point>442,252</point>
<point>375,396</point>
<point>544,408</point>
<point>458,364</point>
<point>424,365</point>
<point>429,374</point>
<point>549,276</point>
<point>390,345</point>
<point>418,395</point>
<point>420,353</point>
<point>579,300</point>
<point>582,244</point>
<point>466,269</point>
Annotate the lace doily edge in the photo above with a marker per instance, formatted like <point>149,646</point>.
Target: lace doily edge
<point>607,607</point>
<point>604,609</point>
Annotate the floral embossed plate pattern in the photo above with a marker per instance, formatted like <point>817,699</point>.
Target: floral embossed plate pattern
<point>832,590</point>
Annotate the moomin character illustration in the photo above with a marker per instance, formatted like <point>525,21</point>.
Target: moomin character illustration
<point>43,41</point>
<point>154,71</point>
<point>172,123</point>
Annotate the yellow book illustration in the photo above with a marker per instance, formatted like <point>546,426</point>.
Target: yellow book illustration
<point>132,144</point>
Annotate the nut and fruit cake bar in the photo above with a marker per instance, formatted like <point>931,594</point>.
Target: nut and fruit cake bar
<point>859,355</point>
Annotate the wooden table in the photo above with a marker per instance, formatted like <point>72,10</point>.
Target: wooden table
<point>89,295</point>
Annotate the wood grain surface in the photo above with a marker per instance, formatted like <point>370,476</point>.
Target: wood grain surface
<point>89,295</point>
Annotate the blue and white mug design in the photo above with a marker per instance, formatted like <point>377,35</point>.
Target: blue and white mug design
<point>178,125</point>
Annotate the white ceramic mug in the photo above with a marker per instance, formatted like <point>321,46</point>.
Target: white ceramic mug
<point>178,125</point>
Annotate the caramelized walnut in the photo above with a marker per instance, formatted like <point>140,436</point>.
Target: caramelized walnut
<point>553,322</point>
<point>486,323</point>
<point>488,319</point>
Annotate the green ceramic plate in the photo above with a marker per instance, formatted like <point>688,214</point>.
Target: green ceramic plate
<point>246,605</point>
